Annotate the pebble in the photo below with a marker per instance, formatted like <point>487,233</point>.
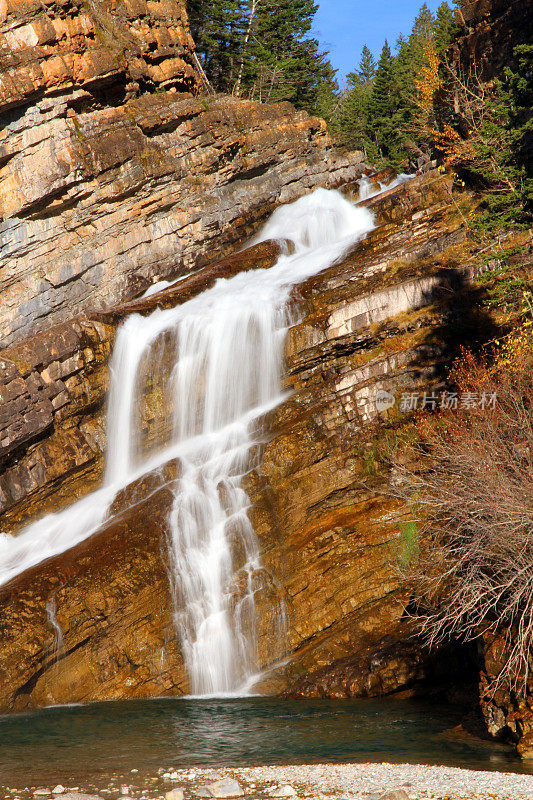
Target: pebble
<point>74,794</point>
<point>227,787</point>
<point>366,781</point>
<point>360,781</point>
<point>290,791</point>
<point>174,794</point>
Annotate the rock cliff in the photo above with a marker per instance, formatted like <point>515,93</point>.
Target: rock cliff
<point>489,30</point>
<point>113,175</point>
<point>52,393</point>
<point>110,50</point>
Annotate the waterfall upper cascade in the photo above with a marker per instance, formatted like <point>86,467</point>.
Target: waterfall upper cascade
<point>216,362</point>
<point>368,188</point>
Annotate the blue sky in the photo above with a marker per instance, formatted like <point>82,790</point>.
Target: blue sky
<point>344,26</point>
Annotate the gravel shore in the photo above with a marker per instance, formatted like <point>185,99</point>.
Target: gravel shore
<point>370,781</point>
<point>380,781</point>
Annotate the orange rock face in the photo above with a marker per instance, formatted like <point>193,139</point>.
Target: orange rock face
<point>121,47</point>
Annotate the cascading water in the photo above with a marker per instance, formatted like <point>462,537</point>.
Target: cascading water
<point>57,646</point>
<point>226,351</point>
<point>368,189</point>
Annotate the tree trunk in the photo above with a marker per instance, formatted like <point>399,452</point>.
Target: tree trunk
<point>253,8</point>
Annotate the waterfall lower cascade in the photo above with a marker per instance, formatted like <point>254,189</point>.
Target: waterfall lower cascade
<point>216,363</point>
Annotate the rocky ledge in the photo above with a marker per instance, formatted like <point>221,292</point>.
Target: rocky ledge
<point>99,203</point>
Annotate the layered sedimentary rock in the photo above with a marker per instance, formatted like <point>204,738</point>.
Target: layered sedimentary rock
<point>109,200</point>
<point>113,174</point>
<point>374,321</point>
<point>99,202</point>
<point>52,390</point>
<point>489,30</point>
<point>53,47</point>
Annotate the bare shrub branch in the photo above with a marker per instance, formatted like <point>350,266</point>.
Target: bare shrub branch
<point>468,484</point>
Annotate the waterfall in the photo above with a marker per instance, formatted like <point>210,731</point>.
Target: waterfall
<point>368,189</point>
<point>54,624</point>
<point>216,362</point>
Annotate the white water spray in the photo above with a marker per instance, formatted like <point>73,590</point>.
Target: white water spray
<point>226,352</point>
<point>368,189</point>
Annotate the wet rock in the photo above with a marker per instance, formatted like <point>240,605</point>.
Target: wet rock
<point>259,256</point>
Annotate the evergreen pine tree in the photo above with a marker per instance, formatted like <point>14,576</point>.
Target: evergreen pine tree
<point>281,61</point>
<point>424,24</point>
<point>445,29</point>
<point>405,109</point>
<point>367,66</point>
<point>217,29</point>
<point>353,118</point>
<point>421,35</point>
<point>382,103</point>
<point>415,56</point>
<point>328,101</point>
<point>353,125</point>
<point>261,48</point>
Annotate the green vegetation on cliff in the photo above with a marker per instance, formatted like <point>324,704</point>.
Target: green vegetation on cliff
<point>260,49</point>
<point>382,110</point>
<point>419,101</point>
